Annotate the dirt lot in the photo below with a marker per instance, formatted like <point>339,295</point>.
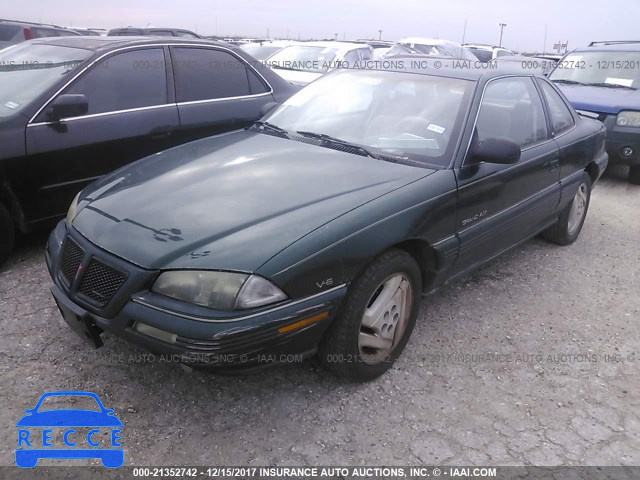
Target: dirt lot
<point>532,360</point>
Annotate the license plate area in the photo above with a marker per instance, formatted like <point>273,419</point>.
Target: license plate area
<point>81,325</point>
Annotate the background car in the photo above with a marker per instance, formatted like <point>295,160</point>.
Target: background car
<point>106,102</point>
<point>154,31</point>
<point>430,46</point>
<point>319,228</point>
<point>12,32</point>
<point>262,50</point>
<point>486,53</point>
<point>604,79</point>
<point>302,63</point>
<point>90,32</point>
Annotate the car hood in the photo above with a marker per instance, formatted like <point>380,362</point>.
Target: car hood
<point>229,202</point>
<point>297,77</point>
<point>601,99</point>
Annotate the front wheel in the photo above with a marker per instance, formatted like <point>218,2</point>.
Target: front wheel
<point>376,320</point>
<point>634,175</point>
<point>571,220</point>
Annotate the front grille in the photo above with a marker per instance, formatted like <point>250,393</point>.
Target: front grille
<point>100,282</point>
<point>71,258</point>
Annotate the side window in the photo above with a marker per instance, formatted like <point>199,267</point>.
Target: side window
<point>161,33</point>
<point>256,85</point>
<point>124,81</point>
<point>351,57</point>
<point>502,53</point>
<point>180,33</point>
<point>365,54</point>
<point>205,73</point>
<point>511,109</point>
<point>561,118</point>
<point>39,32</point>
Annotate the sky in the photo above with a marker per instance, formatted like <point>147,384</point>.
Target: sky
<point>575,21</point>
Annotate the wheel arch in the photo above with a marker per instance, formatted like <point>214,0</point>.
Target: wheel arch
<point>425,256</point>
<point>594,171</point>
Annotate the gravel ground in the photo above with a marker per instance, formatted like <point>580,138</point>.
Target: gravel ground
<point>532,360</point>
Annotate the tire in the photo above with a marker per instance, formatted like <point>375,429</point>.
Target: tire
<point>566,230</point>
<point>388,291</point>
<point>7,235</point>
<point>634,175</point>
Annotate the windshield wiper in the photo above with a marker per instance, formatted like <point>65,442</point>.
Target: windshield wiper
<point>270,127</point>
<point>610,85</point>
<point>364,151</point>
<point>567,82</point>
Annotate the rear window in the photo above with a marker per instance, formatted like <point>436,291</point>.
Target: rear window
<point>482,54</point>
<point>7,32</point>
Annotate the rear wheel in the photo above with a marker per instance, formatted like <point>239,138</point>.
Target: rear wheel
<point>376,320</point>
<point>7,234</point>
<point>634,175</point>
<point>569,224</point>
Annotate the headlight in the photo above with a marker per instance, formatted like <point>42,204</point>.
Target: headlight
<point>628,119</point>
<point>218,290</point>
<point>71,214</point>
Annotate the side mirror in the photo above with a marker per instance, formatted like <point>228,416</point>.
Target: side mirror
<point>68,105</point>
<point>267,107</point>
<point>496,150</point>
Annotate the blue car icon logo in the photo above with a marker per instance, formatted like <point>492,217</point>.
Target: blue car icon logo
<point>36,432</point>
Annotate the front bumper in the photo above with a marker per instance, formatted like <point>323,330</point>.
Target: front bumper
<point>225,341</point>
<point>619,140</point>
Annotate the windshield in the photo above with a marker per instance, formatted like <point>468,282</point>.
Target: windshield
<point>605,68</point>
<point>305,58</point>
<point>401,114</point>
<point>260,52</point>
<point>27,70</point>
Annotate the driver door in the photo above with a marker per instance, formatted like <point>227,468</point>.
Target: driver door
<point>501,205</point>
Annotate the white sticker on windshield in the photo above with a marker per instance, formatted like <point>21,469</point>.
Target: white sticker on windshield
<point>619,81</point>
<point>12,105</point>
<point>436,128</point>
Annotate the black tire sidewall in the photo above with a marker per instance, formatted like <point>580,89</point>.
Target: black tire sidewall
<point>339,350</point>
<point>7,238</point>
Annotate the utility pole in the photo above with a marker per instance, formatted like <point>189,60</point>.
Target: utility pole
<point>502,25</point>
<point>379,34</point>
<point>544,48</point>
<point>464,31</point>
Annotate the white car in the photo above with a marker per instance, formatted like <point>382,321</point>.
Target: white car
<point>430,46</point>
<point>486,53</point>
<point>264,49</point>
<point>302,63</point>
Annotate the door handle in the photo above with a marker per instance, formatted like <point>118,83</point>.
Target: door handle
<point>552,165</point>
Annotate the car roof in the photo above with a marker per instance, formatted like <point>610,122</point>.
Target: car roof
<point>101,44</point>
<point>333,44</point>
<point>612,46</point>
<point>427,41</point>
<point>484,46</point>
<point>33,24</point>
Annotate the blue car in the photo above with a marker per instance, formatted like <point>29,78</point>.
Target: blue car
<point>602,81</point>
<point>31,448</point>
